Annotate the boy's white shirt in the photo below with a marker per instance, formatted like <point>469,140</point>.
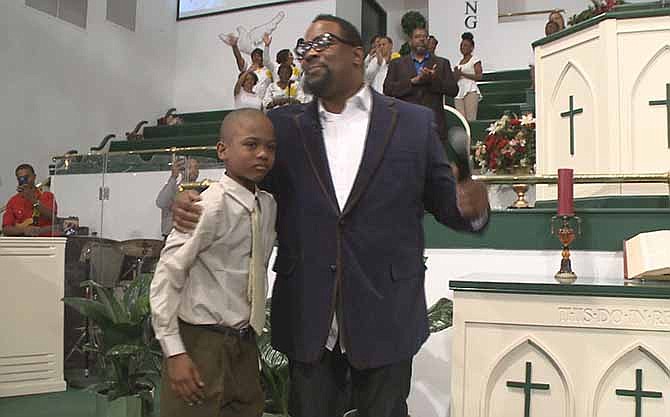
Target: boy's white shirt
<point>202,276</point>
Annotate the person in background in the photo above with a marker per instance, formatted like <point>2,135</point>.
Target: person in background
<point>432,44</point>
<point>468,72</point>
<point>422,78</point>
<point>260,62</point>
<point>285,57</point>
<point>30,212</point>
<point>377,67</point>
<point>208,293</point>
<point>245,97</point>
<point>283,91</point>
<point>169,191</point>
<point>551,27</point>
<point>557,18</point>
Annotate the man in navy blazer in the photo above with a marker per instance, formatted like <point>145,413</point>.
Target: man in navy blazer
<point>349,294</point>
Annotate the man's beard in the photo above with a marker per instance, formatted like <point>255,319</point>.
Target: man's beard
<point>318,86</point>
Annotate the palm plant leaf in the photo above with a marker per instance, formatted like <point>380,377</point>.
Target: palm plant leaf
<point>118,312</point>
<point>440,315</point>
<point>94,310</point>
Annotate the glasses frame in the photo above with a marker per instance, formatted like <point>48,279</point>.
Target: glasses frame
<point>319,44</point>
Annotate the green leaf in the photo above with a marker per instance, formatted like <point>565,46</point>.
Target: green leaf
<point>116,310</point>
<point>92,309</point>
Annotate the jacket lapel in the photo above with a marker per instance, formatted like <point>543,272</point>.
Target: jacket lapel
<point>383,120</point>
<point>308,124</point>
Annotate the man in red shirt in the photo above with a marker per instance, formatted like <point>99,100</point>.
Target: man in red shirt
<point>29,212</point>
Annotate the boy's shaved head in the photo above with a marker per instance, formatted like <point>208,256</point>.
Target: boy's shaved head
<point>239,118</point>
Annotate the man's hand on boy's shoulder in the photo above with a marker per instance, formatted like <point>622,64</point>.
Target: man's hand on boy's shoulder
<point>185,379</point>
<point>185,212</point>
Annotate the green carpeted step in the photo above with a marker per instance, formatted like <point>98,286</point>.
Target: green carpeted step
<point>613,202</point>
<point>519,74</point>
<point>495,111</point>
<point>500,97</point>
<point>513,86</point>
<point>187,129</point>
<point>478,129</point>
<point>204,116</point>
<point>168,142</point>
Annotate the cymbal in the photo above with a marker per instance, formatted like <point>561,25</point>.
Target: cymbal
<point>141,248</point>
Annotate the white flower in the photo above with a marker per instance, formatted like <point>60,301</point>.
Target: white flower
<point>527,119</point>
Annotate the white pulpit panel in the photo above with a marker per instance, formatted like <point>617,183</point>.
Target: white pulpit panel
<point>31,346</point>
<point>533,348</point>
<point>602,92</point>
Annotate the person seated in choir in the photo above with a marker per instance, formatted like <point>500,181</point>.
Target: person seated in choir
<point>284,91</point>
<point>189,172</point>
<point>377,67</point>
<point>467,73</point>
<point>245,96</point>
<point>551,27</point>
<point>260,62</point>
<point>432,44</point>
<point>285,57</point>
<point>557,18</point>
<point>30,212</point>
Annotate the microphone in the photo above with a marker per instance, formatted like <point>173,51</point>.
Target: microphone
<point>459,141</point>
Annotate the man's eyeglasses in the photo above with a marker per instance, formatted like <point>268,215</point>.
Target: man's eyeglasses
<point>319,44</point>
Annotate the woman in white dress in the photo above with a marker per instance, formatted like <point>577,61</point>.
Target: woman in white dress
<point>245,95</point>
<point>284,91</point>
<point>468,72</point>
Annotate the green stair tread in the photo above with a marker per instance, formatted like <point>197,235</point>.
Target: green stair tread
<point>621,202</point>
<point>502,97</point>
<point>204,116</point>
<point>517,74</point>
<point>186,129</point>
<point>499,86</point>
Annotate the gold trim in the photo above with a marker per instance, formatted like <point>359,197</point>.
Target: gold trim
<point>173,149</point>
<point>663,178</point>
<point>534,12</point>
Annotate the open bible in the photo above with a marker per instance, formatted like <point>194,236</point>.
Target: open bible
<point>647,255</point>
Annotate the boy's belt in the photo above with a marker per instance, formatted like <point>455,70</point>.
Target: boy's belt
<point>245,333</point>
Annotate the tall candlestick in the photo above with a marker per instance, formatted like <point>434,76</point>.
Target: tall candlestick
<point>565,195</point>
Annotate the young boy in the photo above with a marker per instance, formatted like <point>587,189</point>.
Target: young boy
<point>208,292</point>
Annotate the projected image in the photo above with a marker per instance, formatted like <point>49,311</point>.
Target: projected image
<point>191,8</point>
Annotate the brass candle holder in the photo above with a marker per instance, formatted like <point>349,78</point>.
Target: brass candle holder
<point>566,234</point>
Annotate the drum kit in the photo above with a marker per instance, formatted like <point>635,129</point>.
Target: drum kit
<point>112,264</point>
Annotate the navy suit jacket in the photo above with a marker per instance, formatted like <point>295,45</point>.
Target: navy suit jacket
<point>366,259</point>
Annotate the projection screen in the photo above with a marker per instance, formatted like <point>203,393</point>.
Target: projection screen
<point>193,8</point>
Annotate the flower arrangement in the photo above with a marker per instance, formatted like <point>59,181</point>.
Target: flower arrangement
<point>597,7</point>
<point>509,145</point>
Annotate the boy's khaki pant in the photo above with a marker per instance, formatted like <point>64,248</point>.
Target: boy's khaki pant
<point>228,366</point>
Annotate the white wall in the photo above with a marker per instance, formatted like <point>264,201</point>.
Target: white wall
<point>500,45</point>
<point>206,70</point>
<point>351,10</point>
<point>64,87</point>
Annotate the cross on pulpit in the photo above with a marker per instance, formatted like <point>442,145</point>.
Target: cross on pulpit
<point>571,114</point>
<point>665,103</point>
<point>638,393</point>
<point>527,387</point>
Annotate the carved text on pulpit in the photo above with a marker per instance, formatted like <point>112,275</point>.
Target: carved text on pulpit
<point>604,316</point>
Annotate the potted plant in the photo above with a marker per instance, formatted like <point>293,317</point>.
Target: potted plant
<point>508,148</point>
<point>127,350</point>
<point>597,7</point>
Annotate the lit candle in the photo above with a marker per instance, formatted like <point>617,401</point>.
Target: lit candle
<point>565,198</point>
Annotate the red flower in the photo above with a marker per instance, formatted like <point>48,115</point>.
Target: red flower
<point>515,122</point>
